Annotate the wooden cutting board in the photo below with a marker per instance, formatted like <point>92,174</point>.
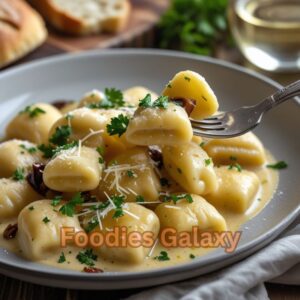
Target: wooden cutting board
<point>139,31</point>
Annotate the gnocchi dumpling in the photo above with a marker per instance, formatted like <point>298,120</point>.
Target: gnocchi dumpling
<point>133,95</point>
<point>14,195</point>
<point>236,190</point>
<point>156,126</point>
<point>39,230</point>
<point>132,175</point>
<point>16,154</point>
<point>92,97</point>
<point>137,219</point>
<point>33,123</point>
<point>189,165</point>
<point>75,170</point>
<point>183,215</point>
<point>191,85</point>
<point>246,149</point>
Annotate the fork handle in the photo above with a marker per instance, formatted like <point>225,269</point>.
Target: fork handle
<point>286,93</point>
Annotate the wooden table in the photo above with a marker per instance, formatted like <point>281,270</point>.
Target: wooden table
<point>12,289</point>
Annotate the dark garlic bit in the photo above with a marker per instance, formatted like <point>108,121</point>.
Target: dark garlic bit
<point>10,231</point>
<point>59,104</point>
<point>35,179</point>
<point>92,270</point>
<point>186,103</point>
<point>156,155</point>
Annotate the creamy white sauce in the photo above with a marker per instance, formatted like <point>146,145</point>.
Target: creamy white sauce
<point>268,184</point>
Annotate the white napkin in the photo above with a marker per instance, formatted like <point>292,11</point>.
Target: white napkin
<point>278,262</point>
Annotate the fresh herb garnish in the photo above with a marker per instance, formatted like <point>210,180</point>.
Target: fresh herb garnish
<point>50,151</point>
<point>130,174</point>
<point>113,99</point>
<point>160,102</point>
<point>19,174</point>
<point>68,209</point>
<point>118,125</point>
<point>101,160</point>
<point>278,166</point>
<point>192,256</point>
<point>235,166</point>
<point>32,112</point>
<point>61,135</point>
<point>176,198</point>
<point>87,257</point>
<point>202,144</point>
<point>233,158</point>
<point>187,78</point>
<point>30,150</point>
<point>118,202</point>
<point>91,225</point>
<point>56,200</point>
<point>46,220</point>
<point>139,199</point>
<point>195,26</point>
<point>100,150</point>
<point>163,256</point>
<point>207,162</point>
<point>31,208</point>
<point>62,258</point>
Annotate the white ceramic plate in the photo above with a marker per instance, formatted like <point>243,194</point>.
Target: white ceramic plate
<point>70,76</point>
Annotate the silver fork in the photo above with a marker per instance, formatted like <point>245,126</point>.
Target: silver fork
<point>239,121</point>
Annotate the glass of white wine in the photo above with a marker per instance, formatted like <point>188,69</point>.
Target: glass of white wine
<point>267,32</point>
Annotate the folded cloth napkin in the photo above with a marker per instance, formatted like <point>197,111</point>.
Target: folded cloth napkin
<point>278,262</point>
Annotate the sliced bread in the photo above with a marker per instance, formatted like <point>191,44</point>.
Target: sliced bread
<point>82,17</point>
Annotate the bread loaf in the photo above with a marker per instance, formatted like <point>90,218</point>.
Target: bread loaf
<point>21,30</point>
<point>82,17</point>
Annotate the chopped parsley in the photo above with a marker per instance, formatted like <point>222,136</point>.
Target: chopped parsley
<point>19,174</point>
<point>202,144</point>
<point>61,135</point>
<point>233,158</point>
<point>62,258</point>
<point>278,166</point>
<point>192,256</point>
<point>91,225</point>
<point>160,102</point>
<point>100,150</point>
<point>49,151</point>
<point>101,160</point>
<point>187,78</point>
<point>163,256</point>
<point>207,162</point>
<point>87,257</point>
<point>113,99</point>
<point>118,202</point>
<point>32,112</point>
<point>68,209</point>
<point>118,125</point>
<point>235,166</point>
<point>31,208</point>
<point>56,200</point>
<point>130,174</point>
<point>46,220</point>
<point>139,199</point>
<point>169,85</point>
<point>30,150</point>
<point>176,198</point>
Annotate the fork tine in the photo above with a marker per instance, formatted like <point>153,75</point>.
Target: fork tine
<point>215,117</point>
<point>209,127</point>
<point>206,122</point>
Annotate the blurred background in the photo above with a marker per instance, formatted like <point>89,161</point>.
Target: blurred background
<point>263,35</point>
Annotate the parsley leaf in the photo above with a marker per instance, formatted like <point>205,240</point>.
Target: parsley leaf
<point>62,258</point>
<point>46,220</point>
<point>56,200</point>
<point>87,257</point>
<point>30,150</point>
<point>19,175</point>
<point>278,166</point>
<point>91,225</point>
<point>50,151</point>
<point>118,125</point>
<point>176,198</point>
<point>32,112</point>
<point>130,174</point>
<point>160,102</point>
<point>61,135</point>
<point>163,256</point>
<point>113,99</point>
<point>207,162</point>
<point>140,199</point>
<point>68,209</point>
<point>118,202</point>
<point>192,256</point>
<point>146,102</point>
<point>236,166</point>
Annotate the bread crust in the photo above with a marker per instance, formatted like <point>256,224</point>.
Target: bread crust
<point>70,24</point>
<point>21,30</point>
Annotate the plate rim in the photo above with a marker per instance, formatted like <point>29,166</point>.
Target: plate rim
<point>180,268</point>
